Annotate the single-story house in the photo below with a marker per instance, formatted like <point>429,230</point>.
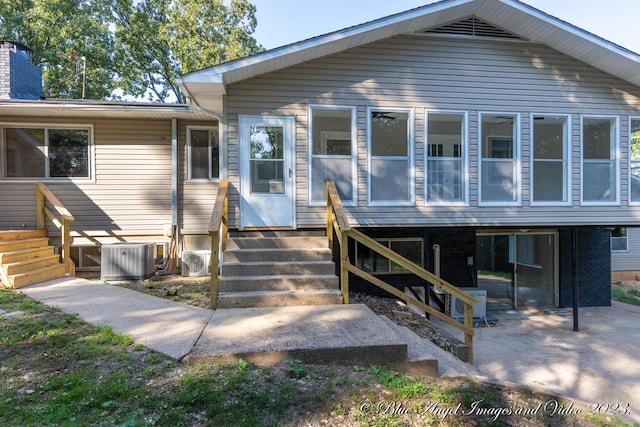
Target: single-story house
<point>484,130</point>
<point>474,137</point>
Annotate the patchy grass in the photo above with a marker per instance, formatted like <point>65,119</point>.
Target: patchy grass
<point>626,292</point>
<point>58,370</point>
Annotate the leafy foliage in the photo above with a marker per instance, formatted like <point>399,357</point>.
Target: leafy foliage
<point>135,48</point>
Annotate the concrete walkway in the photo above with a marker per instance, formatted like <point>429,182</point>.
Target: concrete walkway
<point>324,333</point>
<point>598,364</point>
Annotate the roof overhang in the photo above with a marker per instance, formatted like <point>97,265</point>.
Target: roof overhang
<point>207,87</point>
<point>102,109</point>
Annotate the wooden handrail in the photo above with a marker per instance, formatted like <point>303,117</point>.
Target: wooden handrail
<point>338,224</point>
<point>44,194</point>
<point>218,230</point>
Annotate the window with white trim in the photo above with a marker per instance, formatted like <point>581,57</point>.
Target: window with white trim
<point>390,162</point>
<point>332,137</point>
<point>634,160</point>
<point>619,240</point>
<point>550,159</point>
<point>203,153</point>
<point>446,167</point>
<point>600,160</point>
<point>499,159</point>
<point>32,152</point>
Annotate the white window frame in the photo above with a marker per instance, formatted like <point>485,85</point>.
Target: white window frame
<point>213,129</point>
<point>353,156</point>
<point>46,126</point>
<point>409,158</point>
<point>516,159</point>
<point>566,161</point>
<point>616,153</point>
<point>625,238</point>
<point>465,158</point>
<point>631,201</point>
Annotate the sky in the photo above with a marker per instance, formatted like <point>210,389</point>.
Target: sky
<point>282,22</point>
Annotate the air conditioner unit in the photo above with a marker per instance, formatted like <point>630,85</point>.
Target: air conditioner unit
<point>455,307</point>
<point>127,261</point>
<point>196,263</point>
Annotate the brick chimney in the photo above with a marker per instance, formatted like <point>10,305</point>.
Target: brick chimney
<point>19,77</point>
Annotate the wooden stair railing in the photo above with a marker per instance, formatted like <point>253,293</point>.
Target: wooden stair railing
<point>218,230</point>
<point>61,222</point>
<point>338,223</point>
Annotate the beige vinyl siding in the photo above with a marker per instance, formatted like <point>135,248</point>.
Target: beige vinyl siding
<point>444,74</point>
<point>131,190</point>
<point>628,260</point>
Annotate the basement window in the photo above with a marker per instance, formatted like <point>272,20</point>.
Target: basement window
<point>50,153</point>
<point>373,262</point>
<point>619,240</point>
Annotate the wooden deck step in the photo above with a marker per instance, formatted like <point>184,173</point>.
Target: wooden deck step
<point>16,245</point>
<point>36,276</point>
<point>6,235</point>
<point>31,264</point>
<point>25,254</point>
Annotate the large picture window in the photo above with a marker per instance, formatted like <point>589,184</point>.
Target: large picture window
<point>446,167</point>
<point>203,154</point>
<point>46,153</point>
<point>390,164</point>
<point>600,160</point>
<point>332,134</point>
<point>549,171</point>
<point>634,160</point>
<point>499,159</point>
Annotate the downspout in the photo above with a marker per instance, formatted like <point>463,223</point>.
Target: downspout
<point>174,193</point>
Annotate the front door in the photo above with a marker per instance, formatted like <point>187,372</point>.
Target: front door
<point>266,171</point>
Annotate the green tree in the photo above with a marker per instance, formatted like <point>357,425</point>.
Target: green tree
<point>163,39</point>
<point>60,33</point>
<point>132,47</point>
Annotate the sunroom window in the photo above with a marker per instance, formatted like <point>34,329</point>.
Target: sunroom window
<point>331,130</point>
<point>634,160</point>
<point>446,173</point>
<point>203,154</point>
<point>499,157</point>
<point>599,160</point>
<point>34,152</point>
<point>550,159</point>
<point>390,168</point>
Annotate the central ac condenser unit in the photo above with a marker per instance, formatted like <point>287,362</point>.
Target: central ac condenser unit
<point>127,261</point>
<point>455,307</point>
<point>196,263</point>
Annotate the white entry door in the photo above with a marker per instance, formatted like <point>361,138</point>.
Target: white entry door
<point>266,171</point>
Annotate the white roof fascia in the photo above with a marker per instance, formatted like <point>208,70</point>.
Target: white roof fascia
<point>67,108</point>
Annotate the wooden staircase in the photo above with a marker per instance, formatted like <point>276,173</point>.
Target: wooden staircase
<point>279,269</point>
<point>26,258</point>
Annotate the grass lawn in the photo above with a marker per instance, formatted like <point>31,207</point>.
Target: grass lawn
<point>58,370</point>
<point>626,292</point>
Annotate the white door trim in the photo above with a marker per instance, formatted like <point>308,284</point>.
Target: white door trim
<point>266,209</point>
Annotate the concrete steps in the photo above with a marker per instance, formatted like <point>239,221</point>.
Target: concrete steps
<point>277,270</point>
<point>26,258</point>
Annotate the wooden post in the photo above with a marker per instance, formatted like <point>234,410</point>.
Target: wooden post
<point>344,270</point>
<point>215,253</point>
<point>225,222</point>
<point>468,323</point>
<point>39,208</point>
<point>66,248</point>
<point>329,219</point>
